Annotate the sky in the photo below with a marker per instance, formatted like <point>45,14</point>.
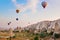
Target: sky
<point>31,11</point>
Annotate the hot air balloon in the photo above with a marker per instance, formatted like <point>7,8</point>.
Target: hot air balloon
<point>17,11</point>
<point>44,4</point>
<point>9,23</point>
<point>17,19</point>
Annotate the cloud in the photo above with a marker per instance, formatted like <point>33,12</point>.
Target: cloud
<point>31,4</point>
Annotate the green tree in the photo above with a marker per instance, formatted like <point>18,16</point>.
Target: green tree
<point>42,34</point>
<point>36,38</point>
<point>56,35</point>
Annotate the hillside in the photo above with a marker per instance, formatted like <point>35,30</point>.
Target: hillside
<point>45,25</point>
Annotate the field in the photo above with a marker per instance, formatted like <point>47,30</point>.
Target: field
<point>26,36</point>
<point>18,36</point>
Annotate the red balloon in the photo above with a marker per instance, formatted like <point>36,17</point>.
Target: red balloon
<point>44,4</point>
<point>17,11</point>
<point>9,23</point>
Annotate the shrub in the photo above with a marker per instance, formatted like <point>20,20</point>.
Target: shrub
<point>42,34</point>
<point>37,34</point>
<point>26,30</point>
<point>15,31</point>
<point>36,38</point>
<point>51,33</point>
<point>56,35</point>
<point>14,37</point>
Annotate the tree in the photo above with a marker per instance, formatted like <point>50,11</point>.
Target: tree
<point>56,35</point>
<point>42,34</point>
<point>36,38</point>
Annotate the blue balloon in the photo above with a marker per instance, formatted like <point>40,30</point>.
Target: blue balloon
<point>17,19</point>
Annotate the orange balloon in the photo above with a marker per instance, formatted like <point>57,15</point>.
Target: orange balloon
<point>17,11</point>
<point>44,4</point>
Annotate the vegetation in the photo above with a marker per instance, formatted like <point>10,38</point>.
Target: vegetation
<point>43,34</point>
<point>15,31</point>
<point>31,36</point>
<point>56,35</point>
<point>36,38</point>
<point>14,36</point>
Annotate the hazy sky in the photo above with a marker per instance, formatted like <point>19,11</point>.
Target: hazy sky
<point>31,11</point>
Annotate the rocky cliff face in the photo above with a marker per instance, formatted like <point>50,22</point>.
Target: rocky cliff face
<point>48,25</point>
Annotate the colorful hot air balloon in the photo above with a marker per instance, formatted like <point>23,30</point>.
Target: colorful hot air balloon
<point>9,23</point>
<point>17,19</point>
<point>17,11</point>
<point>44,4</point>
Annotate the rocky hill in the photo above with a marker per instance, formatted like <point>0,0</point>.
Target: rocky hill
<point>46,25</point>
